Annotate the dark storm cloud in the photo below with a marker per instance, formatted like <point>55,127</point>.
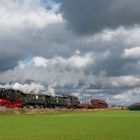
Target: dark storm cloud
<point>8,63</point>
<point>90,16</point>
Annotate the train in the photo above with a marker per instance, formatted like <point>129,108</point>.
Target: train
<point>11,98</point>
<point>94,103</point>
<point>15,98</point>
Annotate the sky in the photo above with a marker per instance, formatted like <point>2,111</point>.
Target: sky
<point>90,49</point>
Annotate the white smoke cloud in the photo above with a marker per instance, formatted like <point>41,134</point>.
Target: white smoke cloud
<point>27,88</point>
<point>77,95</point>
<point>51,91</point>
<point>32,88</point>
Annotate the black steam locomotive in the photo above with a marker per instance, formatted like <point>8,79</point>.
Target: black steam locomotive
<point>16,98</point>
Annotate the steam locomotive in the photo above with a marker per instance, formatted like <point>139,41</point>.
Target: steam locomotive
<point>16,98</point>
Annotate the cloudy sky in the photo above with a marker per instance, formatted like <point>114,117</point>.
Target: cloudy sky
<point>88,48</point>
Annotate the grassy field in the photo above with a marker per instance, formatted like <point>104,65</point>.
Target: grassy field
<point>91,125</point>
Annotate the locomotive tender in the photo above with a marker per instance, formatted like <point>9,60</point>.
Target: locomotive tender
<point>16,98</point>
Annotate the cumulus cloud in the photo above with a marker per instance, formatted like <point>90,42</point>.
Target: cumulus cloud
<point>26,13</point>
<point>133,53</point>
<point>24,25</point>
<point>75,61</point>
<point>93,16</point>
<point>124,81</point>
<point>63,72</point>
<point>40,61</point>
<point>57,71</point>
<point>129,96</point>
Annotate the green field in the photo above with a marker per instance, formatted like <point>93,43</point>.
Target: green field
<point>91,125</point>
